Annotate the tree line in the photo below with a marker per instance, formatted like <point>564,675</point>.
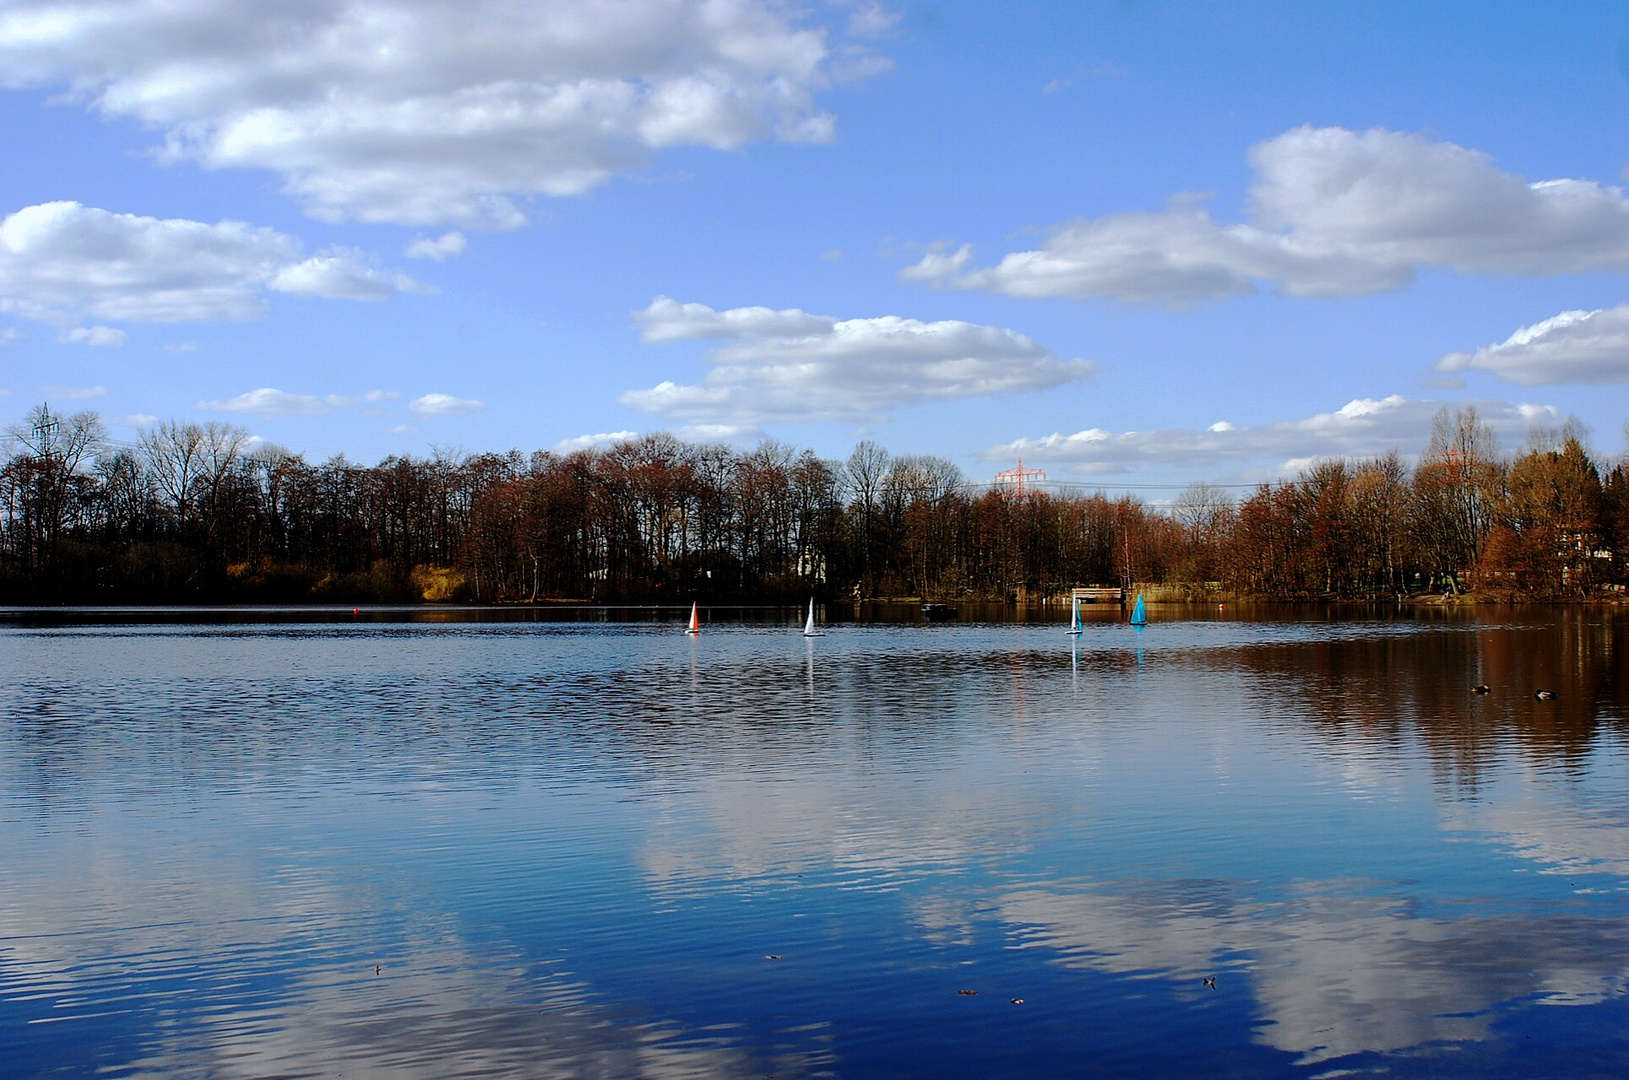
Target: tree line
<point>200,512</point>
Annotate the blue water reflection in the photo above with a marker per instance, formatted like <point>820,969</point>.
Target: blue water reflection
<point>522,848</point>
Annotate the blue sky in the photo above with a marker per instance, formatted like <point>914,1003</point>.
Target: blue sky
<point>1139,243</point>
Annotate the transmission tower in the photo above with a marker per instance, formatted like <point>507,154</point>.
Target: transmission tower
<point>1016,481</point>
<point>46,428</point>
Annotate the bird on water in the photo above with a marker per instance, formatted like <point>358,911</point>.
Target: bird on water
<point>1544,695</point>
<point>1480,688</point>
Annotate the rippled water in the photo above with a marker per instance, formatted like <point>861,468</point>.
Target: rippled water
<point>596,848</point>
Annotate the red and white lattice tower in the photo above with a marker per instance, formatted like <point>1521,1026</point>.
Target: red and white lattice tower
<point>1458,465</point>
<point>1015,482</point>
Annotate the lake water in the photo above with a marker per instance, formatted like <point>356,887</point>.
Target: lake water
<point>586,845</point>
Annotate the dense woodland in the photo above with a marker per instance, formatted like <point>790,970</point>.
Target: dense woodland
<point>197,512</point>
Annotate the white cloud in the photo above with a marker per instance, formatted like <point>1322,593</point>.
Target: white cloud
<point>441,248</point>
<point>341,274</point>
<point>63,261</point>
<point>668,320</point>
<point>267,401</point>
<point>936,264</point>
<point>1360,428</point>
<point>372,397</point>
<point>141,419</point>
<point>430,111</point>
<point>592,442</point>
<point>75,393</point>
<point>94,335</point>
<point>1337,213</point>
<point>1574,346</point>
<point>790,365</point>
<point>719,433</point>
<point>445,405</point>
<point>9,334</point>
<point>181,347</point>
<point>871,19</point>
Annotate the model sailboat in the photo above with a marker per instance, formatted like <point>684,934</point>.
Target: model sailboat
<point>695,619</point>
<point>809,627</point>
<point>1074,618</point>
<point>1139,616</point>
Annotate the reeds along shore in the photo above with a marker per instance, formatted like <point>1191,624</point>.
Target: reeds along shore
<point>196,512</point>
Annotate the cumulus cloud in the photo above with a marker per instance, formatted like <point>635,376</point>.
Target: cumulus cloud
<point>431,111</point>
<point>1336,213</point>
<point>445,405</point>
<point>936,264</point>
<point>668,320</point>
<point>62,261</point>
<point>93,335</point>
<point>1360,428</point>
<point>1574,346</point>
<point>790,365</point>
<point>441,248</point>
<point>341,274</point>
<point>74,393</point>
<point>719,433</point>
<point>593,442</point>
<point>872,19</point>
<point>268,401</point>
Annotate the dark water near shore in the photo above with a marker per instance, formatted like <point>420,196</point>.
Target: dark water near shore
<point>578,843</point>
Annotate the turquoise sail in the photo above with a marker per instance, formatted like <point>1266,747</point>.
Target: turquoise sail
<point>1139,617</point>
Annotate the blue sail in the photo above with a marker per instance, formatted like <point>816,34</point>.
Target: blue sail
<point>1139,617</point>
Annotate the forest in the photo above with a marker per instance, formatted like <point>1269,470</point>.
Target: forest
<point>196,513</point>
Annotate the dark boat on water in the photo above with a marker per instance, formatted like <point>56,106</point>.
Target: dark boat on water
<point>938,612</point>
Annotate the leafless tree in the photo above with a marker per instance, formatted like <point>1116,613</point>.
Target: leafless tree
<point>45,458</point>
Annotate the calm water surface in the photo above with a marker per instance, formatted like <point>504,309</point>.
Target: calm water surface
<point>257,847</point>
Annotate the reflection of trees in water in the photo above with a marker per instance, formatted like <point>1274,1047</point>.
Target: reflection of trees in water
<point>1398,688</point>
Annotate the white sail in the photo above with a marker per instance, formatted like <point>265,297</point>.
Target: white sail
<point>809,627</point>
<point>1074,618</point>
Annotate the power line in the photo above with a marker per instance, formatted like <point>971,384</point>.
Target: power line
<point>1114,487</point>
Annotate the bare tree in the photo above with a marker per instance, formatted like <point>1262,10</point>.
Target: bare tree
<point>1206,514</point>
<point>1201,509</point>
<point>45,455</point>
<point>173,454</point>
<point>189,463</point>
<point>865,470</point>
<point>1455,486</point>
